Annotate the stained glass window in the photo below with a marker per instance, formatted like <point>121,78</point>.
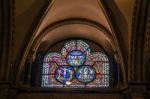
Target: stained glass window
<point>75,66</point>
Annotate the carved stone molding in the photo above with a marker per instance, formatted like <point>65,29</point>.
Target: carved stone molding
<point>147,49</point>
<point>137,68</point>
<point>6,9</point>
<point>135,14</point>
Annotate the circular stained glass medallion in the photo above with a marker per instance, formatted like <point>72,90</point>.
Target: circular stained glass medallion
<point>76,58</point>
<point>64,74</point>
<point>85,74</point>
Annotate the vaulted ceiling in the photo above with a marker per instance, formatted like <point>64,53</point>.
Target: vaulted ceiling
<point>39,24</point>
<point>36,15</point>
<point>121,27</point>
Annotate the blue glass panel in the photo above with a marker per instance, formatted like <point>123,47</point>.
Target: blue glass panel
<point>76,58</point>
<point>85,74</point>
<point>75,67</point>
<point>64,74</point>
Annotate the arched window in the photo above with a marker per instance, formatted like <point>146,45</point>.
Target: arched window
<point>76,65</point>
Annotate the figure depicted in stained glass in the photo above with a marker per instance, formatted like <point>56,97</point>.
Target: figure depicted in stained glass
<point>75,67</point>
<point>85,74</point>
<point>76,58</point>
<point>64,74</point>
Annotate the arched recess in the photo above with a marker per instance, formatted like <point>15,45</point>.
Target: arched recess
<point>111,39</point>
<point>71,28</point>
<point>119,27</point>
